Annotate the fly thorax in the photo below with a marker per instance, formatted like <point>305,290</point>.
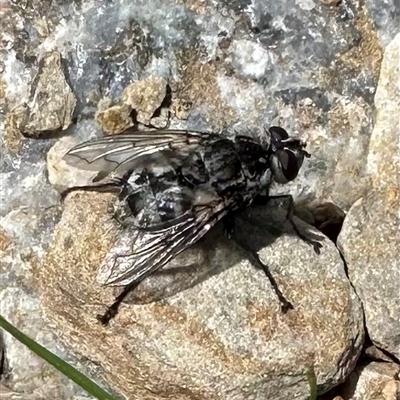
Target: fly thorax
<point>223,166</point>
<point>193,170</point>
<point>254,159</point>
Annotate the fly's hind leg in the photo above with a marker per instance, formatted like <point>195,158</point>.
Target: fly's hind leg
<point>121,264</point>
<point>112,310</point>
<point>111,186</point>
<point>229,225</point>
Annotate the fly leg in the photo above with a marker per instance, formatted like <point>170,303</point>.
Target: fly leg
<point>229,225</point>
<point>113,185</point>
<point>112,310</point>
<point>289,215</point>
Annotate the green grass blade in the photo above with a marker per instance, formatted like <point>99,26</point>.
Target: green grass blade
<point>69,371</point>
<point>312,381</point>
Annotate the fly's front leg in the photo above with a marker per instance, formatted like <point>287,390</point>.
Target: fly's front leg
<point>229,226</point>
<point>289,215</point>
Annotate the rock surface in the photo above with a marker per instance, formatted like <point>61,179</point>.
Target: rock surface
<point>373,381</point>
<point>386,16</point>
<point>309,66</point>
<point>24,374</point>
<point>114,119</point>
<point>209,325</point>
<point>145,97</point>
<point>370,240</point>
<point>52,103</point>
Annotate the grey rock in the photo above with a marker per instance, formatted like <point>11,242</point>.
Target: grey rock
<point>52,104</point>
<point>27,172</point>
<point>309,68</point>
<point>209,325</point>
<point>370,239</point>
<point>386,16</point>
<point>373,353</point>
<point>28,376</point>
<point>62,175</point>
<point>114,119</point>
<point>145,97</point>
<point>231,66</point>
<point>373,381</point>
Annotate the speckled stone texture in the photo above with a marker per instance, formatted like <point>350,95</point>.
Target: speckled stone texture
<point>51,105</point>
<point>373,381</point>
<point>209,324</point>
<point>370,239</point>
<point>214,329</point>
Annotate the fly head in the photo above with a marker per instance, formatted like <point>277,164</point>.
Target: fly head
<point>286,154</point>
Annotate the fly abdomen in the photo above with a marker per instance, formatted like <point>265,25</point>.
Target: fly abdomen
<point>172,203</point>
<point>171,198</point>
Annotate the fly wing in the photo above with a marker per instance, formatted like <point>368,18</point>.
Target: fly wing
<point>154,248</point>
<point>142,149</point>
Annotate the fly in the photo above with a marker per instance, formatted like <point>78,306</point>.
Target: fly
<point>175,185</point>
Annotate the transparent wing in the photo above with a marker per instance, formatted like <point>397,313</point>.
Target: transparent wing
<point>152,249</point>
<point>137,149</point>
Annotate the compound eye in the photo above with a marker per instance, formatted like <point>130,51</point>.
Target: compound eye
<point>278,133</point>
<point>285,165</point>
